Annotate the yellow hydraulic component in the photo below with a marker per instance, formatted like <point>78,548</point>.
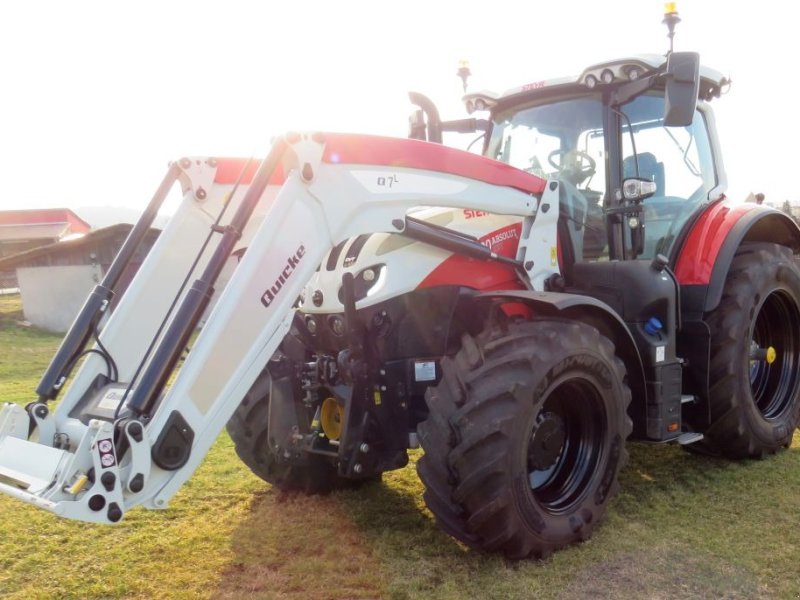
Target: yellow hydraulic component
<point>78,485</point>
<point>771,355</point>
<point>670,8</point>
<point>331,416</point>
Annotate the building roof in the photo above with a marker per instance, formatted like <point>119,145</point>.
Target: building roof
<point>99,235</point>
<point>44,215</point>
<point>40,231</point>
<point>40,224</point>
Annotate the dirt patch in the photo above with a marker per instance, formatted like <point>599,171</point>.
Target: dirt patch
<point>665,573</point>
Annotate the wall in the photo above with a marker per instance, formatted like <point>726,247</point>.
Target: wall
<point>52,296</point>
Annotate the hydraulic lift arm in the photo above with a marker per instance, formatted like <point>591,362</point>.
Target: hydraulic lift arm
<point>113,445</point>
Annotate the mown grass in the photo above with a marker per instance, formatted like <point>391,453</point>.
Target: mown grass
<point>682,525</point>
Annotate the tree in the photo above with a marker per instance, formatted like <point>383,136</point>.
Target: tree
<point>787,208</point>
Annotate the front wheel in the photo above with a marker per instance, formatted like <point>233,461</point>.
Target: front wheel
<point>525,437</point>
<point>755,355</point>
<point>248,428</point>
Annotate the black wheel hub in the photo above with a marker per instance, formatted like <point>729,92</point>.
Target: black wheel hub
<point>565,445</point>
<point>547,441</point>
<point>774,348</point>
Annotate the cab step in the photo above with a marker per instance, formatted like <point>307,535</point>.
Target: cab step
<point>688,437</point>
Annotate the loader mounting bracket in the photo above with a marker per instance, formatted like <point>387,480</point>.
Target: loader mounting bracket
<point>173,447</point>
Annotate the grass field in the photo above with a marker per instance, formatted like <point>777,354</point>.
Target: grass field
<point>682,526</point>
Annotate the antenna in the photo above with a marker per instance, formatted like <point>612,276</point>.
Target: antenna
<point>671,19</point>
<point>464,72</point>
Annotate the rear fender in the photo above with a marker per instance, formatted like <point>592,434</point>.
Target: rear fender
<point>701,269</point>
<point>705,258</point>
<point>598,314</point>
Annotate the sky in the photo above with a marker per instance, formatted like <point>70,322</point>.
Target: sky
<point>98,96</point>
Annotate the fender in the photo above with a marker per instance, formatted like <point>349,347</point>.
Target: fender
<point>705,258</point>
<point>597,314</point>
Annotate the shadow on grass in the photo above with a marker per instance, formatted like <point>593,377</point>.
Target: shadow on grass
<point>293,546</point>
<point>672,530</point>
<point>360,543</point>
<point>659,473</point>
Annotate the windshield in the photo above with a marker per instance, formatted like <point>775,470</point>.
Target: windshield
<point>549,139</point>
<point>565,140</point>
<point>562,140</point>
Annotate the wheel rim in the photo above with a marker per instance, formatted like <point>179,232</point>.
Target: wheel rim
<point>565,445</point>
<point>774,382</point>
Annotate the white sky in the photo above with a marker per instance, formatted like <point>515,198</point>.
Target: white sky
<point>97,96</point>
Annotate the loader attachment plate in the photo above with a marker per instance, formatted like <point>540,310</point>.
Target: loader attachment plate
<point>29,466</point>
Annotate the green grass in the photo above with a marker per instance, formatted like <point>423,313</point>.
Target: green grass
<point>682,526</point>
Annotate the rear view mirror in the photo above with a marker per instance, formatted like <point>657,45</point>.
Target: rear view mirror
<point>683,83</point>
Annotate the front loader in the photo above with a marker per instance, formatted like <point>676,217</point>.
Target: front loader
<point>519,315</point>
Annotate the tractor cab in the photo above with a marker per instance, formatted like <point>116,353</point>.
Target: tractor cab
<point>631,149</point>
<point>634,158</point>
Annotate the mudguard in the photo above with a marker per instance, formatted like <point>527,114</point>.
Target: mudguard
<point>598,314</point>
<point>705,258</point>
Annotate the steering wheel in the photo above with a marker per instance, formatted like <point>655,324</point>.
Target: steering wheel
<point>573,165</point>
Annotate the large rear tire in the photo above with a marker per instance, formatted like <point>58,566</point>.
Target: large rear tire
<point>755,355</point>
<point>248,429</point>
<point>525,437</point>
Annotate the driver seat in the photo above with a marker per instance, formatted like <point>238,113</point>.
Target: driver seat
<point>649,168</point>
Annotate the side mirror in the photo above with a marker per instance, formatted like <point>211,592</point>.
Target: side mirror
<point>683,84</point>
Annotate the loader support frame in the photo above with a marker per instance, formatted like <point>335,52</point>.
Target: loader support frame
<point>98,301</point>
<point>174,341</point>
<point>321,201</point>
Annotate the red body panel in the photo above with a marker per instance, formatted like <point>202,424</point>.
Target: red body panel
<point>414,154</point>
<point>699,253</point>
<point>230,169</point>
<point>341,148</point>
<point>478,274</point>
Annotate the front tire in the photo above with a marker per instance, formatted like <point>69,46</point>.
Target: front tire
<point>248,428</point>
<point>525,437</point>
<point>755,355</point>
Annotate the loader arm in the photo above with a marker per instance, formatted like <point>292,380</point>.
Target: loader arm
<point>94,458</point>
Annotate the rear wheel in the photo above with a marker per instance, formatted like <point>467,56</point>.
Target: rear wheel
<point>525,437</point>
<point>248,429</point>
<point>755,355</point>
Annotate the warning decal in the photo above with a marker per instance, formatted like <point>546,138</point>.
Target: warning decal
<point>106,450</point>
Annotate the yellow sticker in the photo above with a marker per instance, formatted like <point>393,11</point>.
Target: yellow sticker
<point>553,256</point>
<point>377,396</point>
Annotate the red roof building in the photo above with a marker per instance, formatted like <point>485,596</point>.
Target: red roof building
<point>22,230</point>
<point>55,279</point>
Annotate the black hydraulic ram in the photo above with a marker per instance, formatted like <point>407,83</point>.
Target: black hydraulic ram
<point>83,326</point>
<point>451,240</point>
<point>171,346</point>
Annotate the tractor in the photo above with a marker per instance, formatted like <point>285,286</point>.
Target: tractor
<point>520,315</point>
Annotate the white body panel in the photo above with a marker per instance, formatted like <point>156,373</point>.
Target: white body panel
<point>397,254</point>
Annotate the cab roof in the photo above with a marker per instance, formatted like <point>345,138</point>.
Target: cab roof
<point>613,72</point>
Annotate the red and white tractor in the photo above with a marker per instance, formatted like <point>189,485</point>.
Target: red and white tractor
<point>521,315</point>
